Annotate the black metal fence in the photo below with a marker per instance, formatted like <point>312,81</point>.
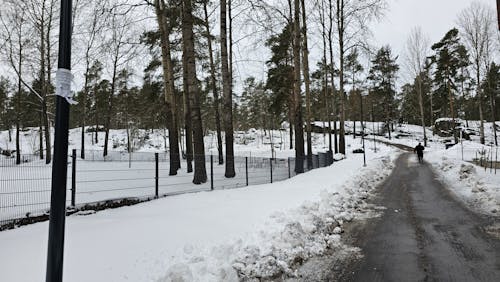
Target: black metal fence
<point>96,181</point>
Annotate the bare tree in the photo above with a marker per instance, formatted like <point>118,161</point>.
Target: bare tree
<point>90,35</point>
<point>332,72</point>
<point>477,28</point>
<point>417,46</point>
<point>41,15</point>
<point>227,92</point>
<point>213,81</point>
<point>121,49</point>
<point>352,18</point>
<point>16,37</point>
<point>327,113</point>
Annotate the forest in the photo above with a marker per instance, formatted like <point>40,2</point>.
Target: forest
<point>170,64</point>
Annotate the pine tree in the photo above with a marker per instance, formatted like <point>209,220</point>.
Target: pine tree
<point>280,76</point>
<point>383,74</point>
<point>5,120</point>
<point>352,68</point>
<point>449,57</point>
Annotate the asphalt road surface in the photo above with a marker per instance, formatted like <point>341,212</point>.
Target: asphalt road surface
<point>424,234</point>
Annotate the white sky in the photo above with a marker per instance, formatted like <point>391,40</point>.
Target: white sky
<point>435,17</point>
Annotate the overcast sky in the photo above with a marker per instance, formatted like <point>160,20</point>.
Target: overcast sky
<point>435,17</point>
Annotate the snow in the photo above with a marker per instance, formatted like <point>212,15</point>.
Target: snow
<point>478,187</point>
<point>446,119</point>
<point>262,231</point>
<point>208,236</point>
<point>25,188</point>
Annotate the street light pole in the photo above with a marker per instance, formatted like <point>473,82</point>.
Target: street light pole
<point>373,128</point>
<point>55,251</point>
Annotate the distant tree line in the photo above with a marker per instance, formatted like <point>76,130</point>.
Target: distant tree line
<point>186,78</point>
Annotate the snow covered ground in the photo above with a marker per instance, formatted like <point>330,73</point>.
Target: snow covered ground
<point>256,231</point>
<point>476,186</point>
<point>25,188</point>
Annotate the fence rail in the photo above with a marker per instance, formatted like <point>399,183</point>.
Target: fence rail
<point>25,188</point>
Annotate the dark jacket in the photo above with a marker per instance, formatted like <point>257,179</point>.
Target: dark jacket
<point>419,150</point>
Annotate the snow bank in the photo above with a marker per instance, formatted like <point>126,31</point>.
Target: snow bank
<point>257,231</point>
<point>288,238</point>
<point>478,188</point>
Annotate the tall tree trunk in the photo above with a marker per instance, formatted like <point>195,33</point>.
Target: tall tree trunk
<point>340,25</point>
<point>421,106</point>
<point>327,114</point>
<point>214,85</point>
<point>230,41</point>
<point>110,105</point>
<point>480,101</point>
<point>452,111</point>
<point>493,108</point>
<point>48,147</point>
<point>84,106</point>
<point>299,130</point>
<point>188,128</point>
<point>42,80</point>
<point>96,141</point>
<point>305,62</point>
<point>431,101</point>
<point>18,101</point>
<point>228,101</point>
<point>40,135</point>
<point>168,84</point>
<point>200,173</point>
<point>332,74</point>
<point>48,82</point>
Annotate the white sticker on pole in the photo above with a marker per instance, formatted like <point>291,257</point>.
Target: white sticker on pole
<point>63,85</point>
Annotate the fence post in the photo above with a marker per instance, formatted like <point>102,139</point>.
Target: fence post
<point>212,172</point>
<point>289,171</point>
<point>246,169</point>
<point>496,159</point>
<point>271,168</point>
<point>491,160</point>
<point>156,176</point>
<point>486,156</point>
<point>73,178</point>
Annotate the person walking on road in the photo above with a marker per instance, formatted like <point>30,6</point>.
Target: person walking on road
<point>420,152</point>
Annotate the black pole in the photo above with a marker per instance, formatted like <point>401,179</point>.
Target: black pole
<point>246,169</point>
<point>211,172</point>
<point>498,13</point>
<point>55,252</point>
<point>289,171</point>
<point>271,168</point>
<point>73,178</point>
<point>156,176</point>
